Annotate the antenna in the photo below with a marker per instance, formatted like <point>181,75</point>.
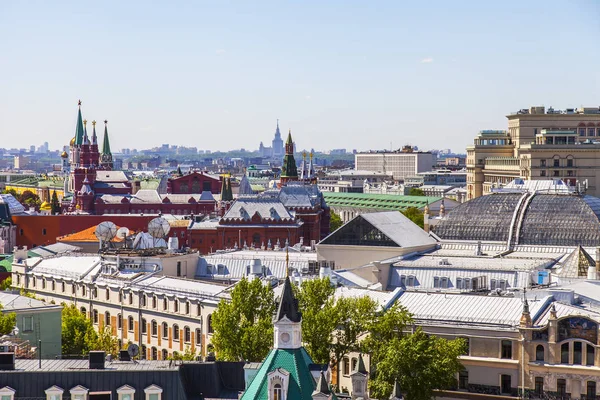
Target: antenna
<point>133,350</point>
<point>105,232</point>
<point>158,228</point>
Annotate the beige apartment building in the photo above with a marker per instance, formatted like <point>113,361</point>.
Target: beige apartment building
<point>400,163</point>
<point>539,144</point>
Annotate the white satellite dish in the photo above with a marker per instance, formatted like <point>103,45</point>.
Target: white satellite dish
<point>122,233</point>
<point>159,228</point>
<point>106,231</point>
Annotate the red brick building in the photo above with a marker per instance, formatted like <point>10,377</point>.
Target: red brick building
<point>194,182</point>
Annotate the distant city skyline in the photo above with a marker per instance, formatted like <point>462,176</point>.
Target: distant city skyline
<point>338,74</point>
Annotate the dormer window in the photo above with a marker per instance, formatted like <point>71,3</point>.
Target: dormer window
<point>79,393</point>
<point>125,392</point>
<point>7,393</point>
<point>54,393</point>
<point>153,392</point>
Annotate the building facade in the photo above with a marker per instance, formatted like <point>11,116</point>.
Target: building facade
<point>400,164</point>
<point>539,144</point>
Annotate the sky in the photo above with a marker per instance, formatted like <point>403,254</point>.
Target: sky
<point>340,74</point>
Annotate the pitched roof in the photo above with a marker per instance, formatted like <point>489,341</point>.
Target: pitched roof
<point>295,362</point>
<point>246,208</point>
<point>86,235</point>
<point>288,305</point>
<point>576,264</point>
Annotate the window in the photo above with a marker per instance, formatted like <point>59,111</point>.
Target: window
<point>154,302</point>
<point>54,393</point>
<point>165,330</point>
<point>7,393</point>
<point>570,173</point>
<point>178,268</point>
<point>198,309</point>
<point>556,162</point>
<point>153,392</point>
<point>542,173</point>
<point>581,131</point>
<point>154,329</point>
<point>130,298</point>
<point>79,393</point>
<point>346,366</point>
<point>43,283</point>
<point>53,285</point>
<point>119,321</point>
<point>591,132</point>
<point>410,281</point>
<point>209,326</point>
<point>95,315</point>
<point>569,162</point>
<point>564,353</point>
<point>62,286</point>
<point>354,362</point>
<point>95,293</point>
<point>539,353</point>
<point>27,325</point>
<point>165,304</point>
<point>556,174</point>
<point>125,392</point>
<point>153,353</point>
<point>590,355</point>
<point>144,326</point>
<point>165,354</point>
<point>591,390</point>
<point>187,334</point>
<point>463,379</point>
<point>44,229</point>
<point>175,332</point>
<point>505,384</point>
<point>277,392</point>
<point>542,163</point>
<point>107,318</point>
<point>539,385</point>
<point>83,311</point>
<point>561,387</point>
<point>467,346</point>
<point>198,337</point>
<point>436,282</point>
<point>176,306</point>
<point>187,308</point>
<point>577,348</point>
<point>130,323</point>
<point>144,300</point>
<point>506,349</point>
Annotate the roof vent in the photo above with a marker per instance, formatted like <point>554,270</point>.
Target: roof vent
<point>96,359</point>
<point>7,361</point>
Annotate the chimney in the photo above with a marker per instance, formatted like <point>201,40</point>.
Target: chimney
<point>96,359</point>
<point>7,361</point>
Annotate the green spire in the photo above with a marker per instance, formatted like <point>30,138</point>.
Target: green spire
<point>79,129</point>
<point>289,138</point>
<point>106,144</point>
<point>226,192</point>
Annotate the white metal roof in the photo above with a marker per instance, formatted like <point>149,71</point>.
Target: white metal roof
<point>398,228</point>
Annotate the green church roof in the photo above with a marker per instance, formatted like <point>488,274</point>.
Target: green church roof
<point>106,143</point>
<point>294,361</point>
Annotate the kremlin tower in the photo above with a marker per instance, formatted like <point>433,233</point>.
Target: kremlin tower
<point>289,171</point>
<point>84,161</point>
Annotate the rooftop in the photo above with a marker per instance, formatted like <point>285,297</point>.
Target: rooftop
<point>377,201</point>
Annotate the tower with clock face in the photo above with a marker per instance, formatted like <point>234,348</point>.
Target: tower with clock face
<point>287,324</point>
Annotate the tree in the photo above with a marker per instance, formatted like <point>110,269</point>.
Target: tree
<point>12,192</point>
<point>243,328</point>
<point>335,221</point>
<point>354,317</point>
<point>78,334</point>
<point>6,284</point>
<point>419,362</point>
<point>107,342</point>
<point>189,355</point>
<point>315,300</point>
<point>55,204</point>
<point>7,322</point>
<point>415,215</point>
<point>30,199</point>
<point>416,192</point>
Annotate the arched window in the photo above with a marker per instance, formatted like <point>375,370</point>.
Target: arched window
<point>143,352</point>
<point>198,309</point>
<point>95,315</point>
<point>187,308</point>
<point>107,318</point>
<point>119,321</point>
<point>277,392</point>
<point>165,330</point>
<point>130,323</point>
<point>154,300</point>
<point>144,300</point>
<point>175,332</point>
<point>577,352</point>
<point>256,239</point>
<point>198,337</point>
<point>590,355</point>
<point>83,311</point>
<point>53,285</point>
<point>187,334</point>
<point>130,298</point>
<point>539,353</point>
<point>43,283</point>
<point>165,304</point>
<point>33,282</point>
<point>62,287</point>
<point>154,329</point>
<point>176,306</point>
<point>209,326</point>
<point>107,294</point>
<point>564,353</point>
<point>144,326</point>
<point>165,354</point>
<point>154,353</point>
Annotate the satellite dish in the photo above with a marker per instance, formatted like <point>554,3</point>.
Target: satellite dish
<point>159,228</point>
<point>133,350</point>
<point>106,231</point>
<point>123,233</point>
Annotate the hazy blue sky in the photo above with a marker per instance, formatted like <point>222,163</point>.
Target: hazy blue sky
<point>351,74</point>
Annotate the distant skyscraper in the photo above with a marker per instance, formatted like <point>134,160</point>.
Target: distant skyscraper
<point>277,144</point>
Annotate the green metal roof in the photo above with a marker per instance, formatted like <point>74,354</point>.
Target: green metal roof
<point>296,362</point>
<point>7,262</point>
<point>377,201</point>
<point>79,129</point>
